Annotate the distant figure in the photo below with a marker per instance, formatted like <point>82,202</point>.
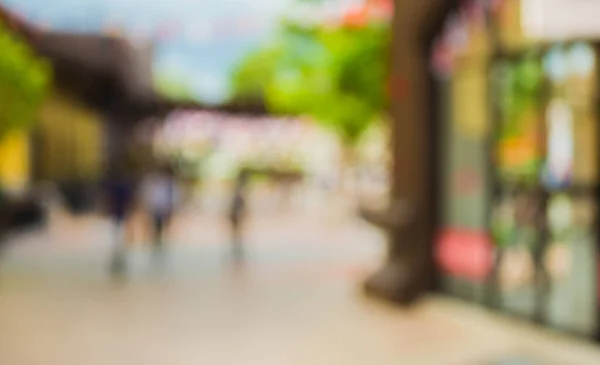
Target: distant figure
<point>237,214</point>
<point>160,194</point>
<point>120,196</point>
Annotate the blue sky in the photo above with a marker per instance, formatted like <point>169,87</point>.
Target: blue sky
<point>209,39</point>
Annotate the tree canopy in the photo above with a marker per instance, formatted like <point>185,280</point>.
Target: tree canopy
<point>334,74</point>
<point>174,88</point>
<point>24,81</point>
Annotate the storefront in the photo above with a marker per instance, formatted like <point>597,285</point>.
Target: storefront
<point>520,160</point>
<point>14,162</point>
<point>69,141</point>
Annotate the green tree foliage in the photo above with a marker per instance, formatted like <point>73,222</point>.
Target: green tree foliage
<point>522,85</point>
<point>24,82</point>
<point>521,89</point>
<point>251,77</point>
<point>174,88</point>
<point>334,74</point>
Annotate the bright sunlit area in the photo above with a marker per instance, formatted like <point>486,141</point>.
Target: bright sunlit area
<point>291,182</point>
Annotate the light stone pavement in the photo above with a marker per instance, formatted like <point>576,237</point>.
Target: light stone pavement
<point>296,301</point>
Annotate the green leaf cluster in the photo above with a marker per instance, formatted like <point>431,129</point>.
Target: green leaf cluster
<point>522,89</point>
<point>24,82</point>
<point>336,75</point>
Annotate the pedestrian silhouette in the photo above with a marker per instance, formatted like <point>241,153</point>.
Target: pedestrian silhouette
<point>237,214</point>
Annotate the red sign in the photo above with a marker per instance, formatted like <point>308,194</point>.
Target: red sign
<point>356,17</point>
<point>465,254</point>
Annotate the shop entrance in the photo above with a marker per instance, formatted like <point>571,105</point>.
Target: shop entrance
<point>518,207</point>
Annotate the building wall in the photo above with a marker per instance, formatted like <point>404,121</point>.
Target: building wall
<point>14,161</point>
<point>69,141</point>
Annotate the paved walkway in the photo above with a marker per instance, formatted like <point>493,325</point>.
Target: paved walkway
<point>296,302</point>
<point>69,312</point>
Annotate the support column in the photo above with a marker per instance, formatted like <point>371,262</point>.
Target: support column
<point>407,272</point>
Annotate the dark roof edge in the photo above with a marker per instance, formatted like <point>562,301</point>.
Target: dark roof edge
<point>154,105</point>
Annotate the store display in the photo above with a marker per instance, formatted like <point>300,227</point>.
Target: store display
<point>516,237</point>
<point>538,181</point>
<point>582,94</point>
<point>560,144</point>
<point>581,85</point>
<point>464,248</point>
<point>518,141</point>
<point>503,225</point>
<point>570,122</point>
<point>570,262</point>
<point>560,216</point>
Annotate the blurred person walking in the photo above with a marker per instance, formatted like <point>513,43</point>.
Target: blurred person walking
<point>237,214</point>
<point>121,198</point>
<point>160,196</point>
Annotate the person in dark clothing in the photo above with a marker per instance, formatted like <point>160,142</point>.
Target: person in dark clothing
<point>161,195</point>
<point>237,214</point>
<point>120,196</point>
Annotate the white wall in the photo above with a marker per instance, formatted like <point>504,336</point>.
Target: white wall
<point>561,19</point>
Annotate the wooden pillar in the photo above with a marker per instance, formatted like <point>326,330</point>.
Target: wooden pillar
<point>407,272</point>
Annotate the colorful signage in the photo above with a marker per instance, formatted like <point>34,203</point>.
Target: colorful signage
<point>465,254</point>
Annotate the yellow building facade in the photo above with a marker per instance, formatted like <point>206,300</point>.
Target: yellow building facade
<point>69,141</point>
<point>68,146</point>
<point>14,161</point>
